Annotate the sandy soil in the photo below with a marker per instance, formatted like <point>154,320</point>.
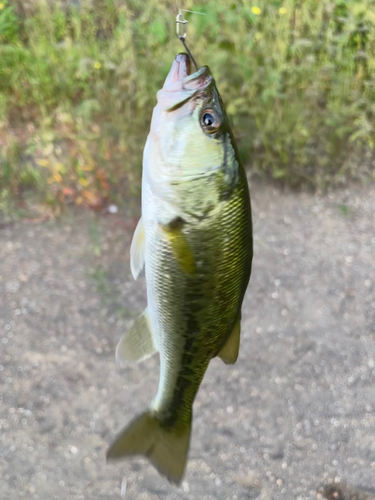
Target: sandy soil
<point>296,411</point>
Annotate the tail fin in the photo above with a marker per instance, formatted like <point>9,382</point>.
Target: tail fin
<point>166,448</point>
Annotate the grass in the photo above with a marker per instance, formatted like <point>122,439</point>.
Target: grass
<point>95,238</point>
<point>99,277</point>
<point>77,88</point>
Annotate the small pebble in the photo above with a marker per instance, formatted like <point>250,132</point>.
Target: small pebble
<point>113,209</point>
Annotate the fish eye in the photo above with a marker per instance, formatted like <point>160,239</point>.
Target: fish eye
<point>210,121</point>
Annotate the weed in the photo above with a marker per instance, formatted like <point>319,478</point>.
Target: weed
<point>99,277</point>
<point>94,231</point>
<point>344,209</point>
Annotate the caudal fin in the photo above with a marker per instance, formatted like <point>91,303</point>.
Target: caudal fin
<point>166,448</point>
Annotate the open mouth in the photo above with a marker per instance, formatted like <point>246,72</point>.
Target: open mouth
<point>181,67</point>
<point>181,74</point>
<point>181,85</point>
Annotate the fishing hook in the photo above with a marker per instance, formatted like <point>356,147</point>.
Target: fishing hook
<point>181,31</point>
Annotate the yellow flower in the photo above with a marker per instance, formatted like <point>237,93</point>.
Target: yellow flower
<point>84,182</point>
<point>256,10</point>
<point>55,178</point>
<point>42,162</point>
<point>2,5</point>
<point>97,65</point>
<point>282,11</point>
<point>59,167</point>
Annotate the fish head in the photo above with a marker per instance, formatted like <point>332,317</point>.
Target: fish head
<point>186,136</point>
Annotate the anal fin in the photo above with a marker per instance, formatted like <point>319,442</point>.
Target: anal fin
<point>137,344</point>
<point>229,353</point>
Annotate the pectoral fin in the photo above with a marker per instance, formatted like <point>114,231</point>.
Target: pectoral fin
<point>137,250</point>
<point>137,344</point>
<point>229,353</point>
<point>179,244</point>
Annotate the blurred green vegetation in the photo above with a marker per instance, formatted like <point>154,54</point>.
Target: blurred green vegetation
<point>78,83</point>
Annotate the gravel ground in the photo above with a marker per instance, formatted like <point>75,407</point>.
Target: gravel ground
<point>295,412</point>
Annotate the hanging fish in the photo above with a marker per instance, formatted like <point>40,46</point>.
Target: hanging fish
<point>195,241</point>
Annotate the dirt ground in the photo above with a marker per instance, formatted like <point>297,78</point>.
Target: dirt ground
<point>296,411</point>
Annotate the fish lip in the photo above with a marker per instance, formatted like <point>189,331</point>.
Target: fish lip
<point>181,67</point>
<point>180,78</point>
<point>201,77</point>
<point>180,87</point>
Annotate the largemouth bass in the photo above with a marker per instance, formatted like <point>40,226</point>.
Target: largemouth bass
<point>195,241</point>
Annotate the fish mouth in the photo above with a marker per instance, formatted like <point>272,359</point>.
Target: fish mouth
<point>181,67</point>
<point>182,78</point>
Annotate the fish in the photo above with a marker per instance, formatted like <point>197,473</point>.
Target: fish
<point>194,241</point>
